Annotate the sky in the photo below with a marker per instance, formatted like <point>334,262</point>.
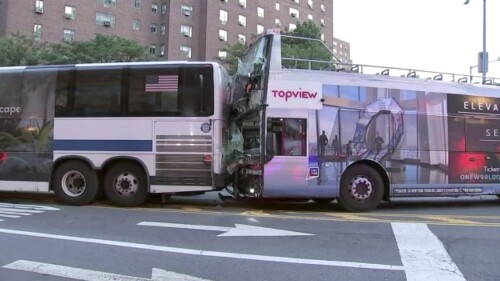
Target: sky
<point>437,35</point>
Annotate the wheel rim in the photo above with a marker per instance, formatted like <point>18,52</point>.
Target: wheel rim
<point>360,188</point>
<point>73,183</point>
<point>126,184</point>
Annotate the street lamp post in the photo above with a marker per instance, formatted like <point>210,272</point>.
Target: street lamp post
<point>483,57</point>
<point>474,66</point>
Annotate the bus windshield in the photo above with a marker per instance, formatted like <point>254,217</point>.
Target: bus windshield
<point>253,63</point>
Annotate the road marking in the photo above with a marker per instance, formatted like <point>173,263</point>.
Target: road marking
<point>423,255</point>
<point>8,210</point>
<point>92,275</point>
<point>238,230</point>
<point>204,252</point>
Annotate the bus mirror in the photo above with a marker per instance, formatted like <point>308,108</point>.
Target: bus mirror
<point>270,146</point>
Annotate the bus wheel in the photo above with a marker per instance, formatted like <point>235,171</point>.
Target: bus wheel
<point>75,183</point>
<point>361,189</point>
<point>125,185</point>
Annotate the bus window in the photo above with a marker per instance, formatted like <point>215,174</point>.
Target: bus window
<point>98,92</point>
<point>290,135</point>
<point>153,91</point>
<point>197,95</point>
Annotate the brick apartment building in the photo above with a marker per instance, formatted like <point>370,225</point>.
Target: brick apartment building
<point>174,29</point>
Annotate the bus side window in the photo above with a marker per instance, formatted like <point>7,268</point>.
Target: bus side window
<point>64,97</point>
<point>291,135</point>
<point>98,92</point>
<point>196,91</point>
<point>153,91</point>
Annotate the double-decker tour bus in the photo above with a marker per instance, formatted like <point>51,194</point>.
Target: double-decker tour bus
<point>127,129</point>
<point>324,130</point>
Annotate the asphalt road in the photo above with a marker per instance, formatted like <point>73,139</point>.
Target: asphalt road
<point>201,238</point>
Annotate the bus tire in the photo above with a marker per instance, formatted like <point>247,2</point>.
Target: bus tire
<point>125,185</point>
<point>75,183</point>
<point>361,189</point>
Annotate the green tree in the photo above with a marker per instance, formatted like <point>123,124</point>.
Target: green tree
<point>303,53</point>
<point>234,53</point>
<point>109,49</point>
<point>18,49</point>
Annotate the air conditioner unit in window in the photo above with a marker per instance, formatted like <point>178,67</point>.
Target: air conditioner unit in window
<point>322,24</point>
<point>39,10</point>
<point>241,23</point>
<point>242,4</point>
<point>223,22</point>
<point>294,15</point>
<point>278,24</point>
<point>187,13</point>
<point>185,33</point>
<point>222,38</point>
<point>107,23</point>
<point>68,16</point>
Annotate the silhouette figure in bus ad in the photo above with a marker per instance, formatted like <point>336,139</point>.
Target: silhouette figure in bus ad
<point>336,146</point>
<point>348,152</point>
<point>379,141</point>
<point>322,142</point>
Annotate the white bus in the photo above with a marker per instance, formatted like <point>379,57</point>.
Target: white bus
<point>125,129</point>
<point>328,131</point>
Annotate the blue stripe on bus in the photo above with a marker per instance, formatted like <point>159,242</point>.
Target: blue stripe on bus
<point>104,145</point>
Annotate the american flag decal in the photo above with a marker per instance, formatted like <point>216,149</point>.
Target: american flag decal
<point>162,83</point>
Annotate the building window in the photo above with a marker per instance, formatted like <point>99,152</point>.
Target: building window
<point>154,7</point>
<point>277,22</point>
<point>296,1</point>
<point>187,31</point>
<point>322,8</point>
<point>69,13</point>
<point>310,17</point>
<point>294,13</point>
<point>153,28</point>
<point>186,10</point>
<point>39,6</point>
<point>37,31</point>
<point>104,19</point>
<point>260,12</point>
<point>137,4</point>
<point>222,54</point>
<point>260,29</point>
<point>186,51</point>
<point>242,20</point>
<point>322,37</point>
<point>163,29</point>
<point>136,24</point>
<point>243,3</point>
<point>277,6</point>
<point>322,22</point>
<point>107,2</point>
<point>162,50</point>
<point>163,8</point>
<point>223,17</point>
<point>222,35</point>
<point>152,49</point>
<point>310,3</point>
<point>68,35</point>
<point>291,27</point>
<point>242,38</point>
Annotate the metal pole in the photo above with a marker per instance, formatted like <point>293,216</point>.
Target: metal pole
<point>485,62</point>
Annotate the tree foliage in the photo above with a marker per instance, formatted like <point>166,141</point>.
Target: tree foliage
<point>303,53</point>
<point>233,53</point>
<point>18,49</point>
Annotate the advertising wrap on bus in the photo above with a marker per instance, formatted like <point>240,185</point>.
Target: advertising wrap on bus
<point>475,143</point>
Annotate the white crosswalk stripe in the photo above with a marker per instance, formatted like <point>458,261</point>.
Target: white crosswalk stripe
<point>8,210</point>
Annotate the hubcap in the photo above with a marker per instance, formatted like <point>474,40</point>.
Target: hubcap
<point>126,184</point>
<point>360,188</point>
<point>73,183</point>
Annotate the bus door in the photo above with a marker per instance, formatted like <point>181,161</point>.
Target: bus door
<point>285,175</point>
